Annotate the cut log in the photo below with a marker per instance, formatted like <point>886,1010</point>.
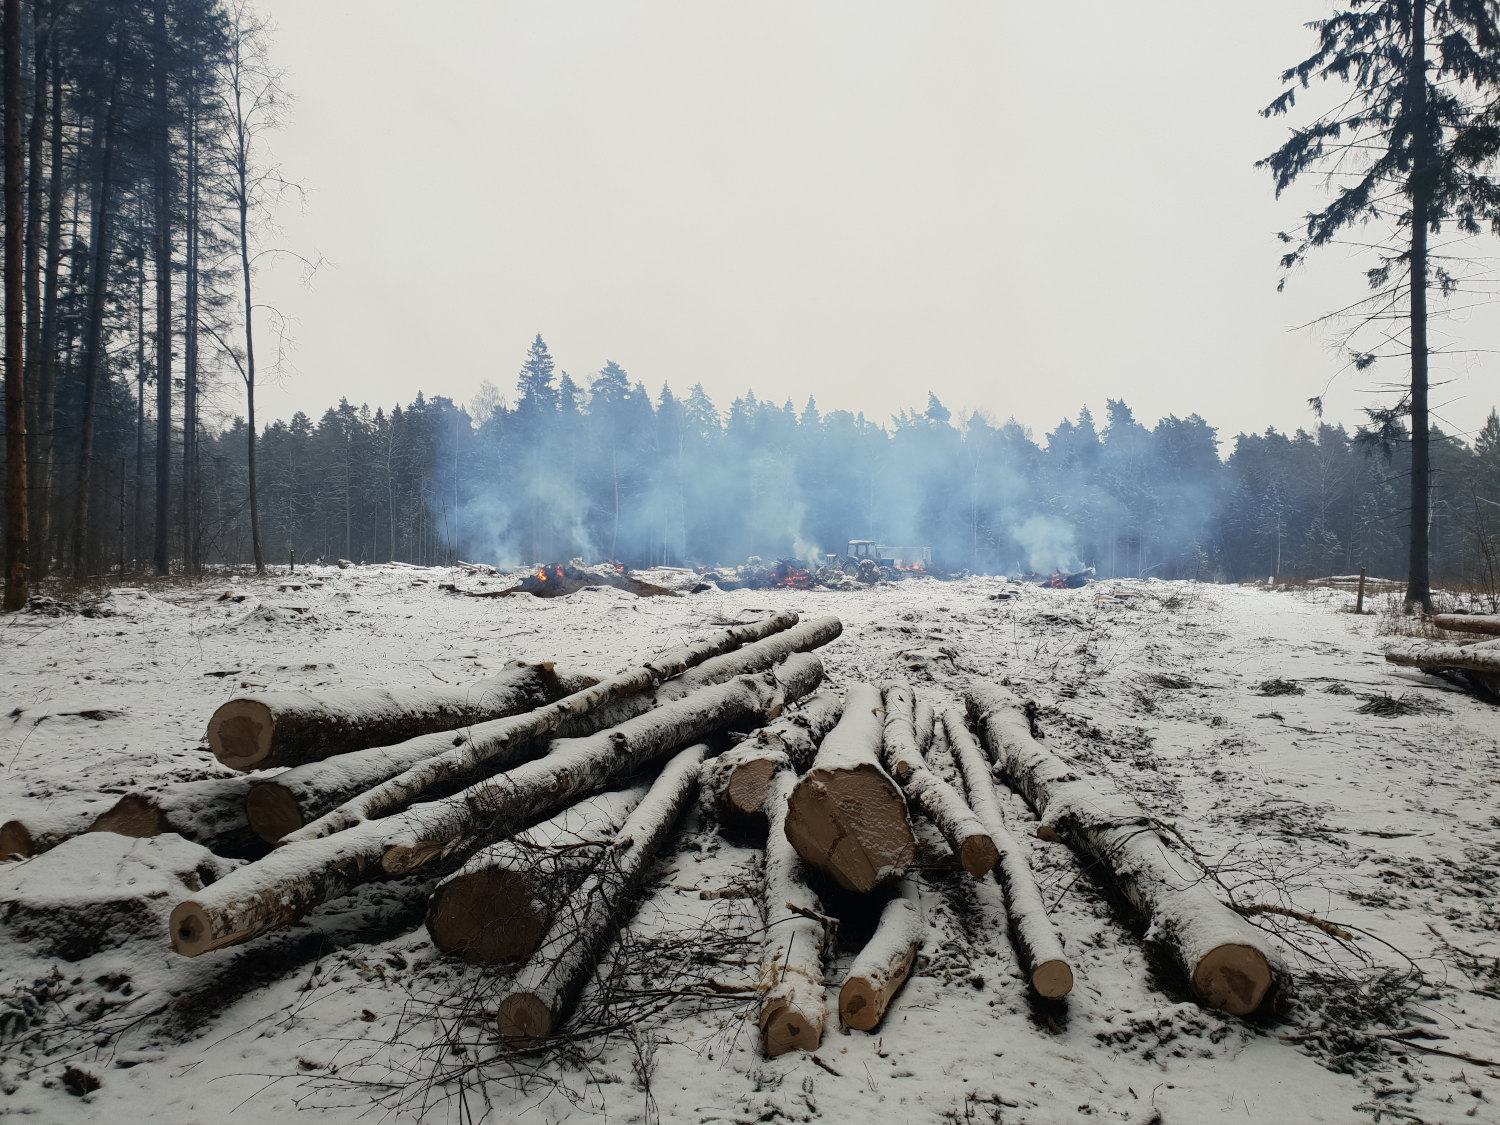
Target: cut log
<point>899,746</point>
<point>846,817</point>
<point>500,904</point>
<point>546,988</point>
<point>287,728</point>
<point>1229,963</point>
<point>37,826</point>
<point>792,1002</point>
<point>735,783</point>
<point>1467,622</point>
<point>1038,946</point>
<point>924,721</point>
<point>301,875</point>
<point>210,812</point>
<point>1434,656</point>
<point>507,738</point>
<point>883,965</point>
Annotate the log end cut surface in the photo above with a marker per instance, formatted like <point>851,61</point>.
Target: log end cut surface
<point>15,839</point>
<point>272,811</point>
<point>240,733</point>
<point>979,855</point>
<point>861,1005</point>
<point>131,815</point>
<point>1233,978</point>
<point>191,932</point>
<point>1052,979</point>
<point>487,917</point>
<point>746,792</point>
<point>523,1016</point>
<point>784,1029</point>
<point>851,824</point>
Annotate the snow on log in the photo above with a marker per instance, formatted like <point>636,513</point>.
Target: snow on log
<point>551,980</point>
<point>209,812</point>
<point>899,742</point>
<point>1432,656</point>
<point>924,722</point>
<point>287,728</point>
<point>39,826</point>
<point>846,817</point>
<point>883,965</point>
<point>302,874</point>
<point>792,1004</point>
<point>945,807</point>
<point>1037,944</point>
<point>488,742</point>
<point>1467,622</point>
<point>735,782</point>
<point>1229,962</point>
<point>500,904</point>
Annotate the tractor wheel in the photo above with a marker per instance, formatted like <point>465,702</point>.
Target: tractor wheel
<point>889,574</point>
<point>851,568</point>
<point>869,571</point>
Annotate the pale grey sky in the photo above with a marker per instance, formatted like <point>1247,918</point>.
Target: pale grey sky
<point>1024,208</point>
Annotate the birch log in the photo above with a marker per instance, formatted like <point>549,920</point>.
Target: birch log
<point>1037,943</point>
<point>209,812</point>
<point>735,783</point>
<point>883,965</point>
<point>899,742</point>
<point>846,817</point>
<point>1467,622</point>
<point>287,728</point>
<point>499,905</point>
<point>549,984</point>
<point>1229,963</point>
<point>490,742</point>
<point>1428,655</point>
<point>302,794</point>
<point>792,1003</point>
<point>299,876</point>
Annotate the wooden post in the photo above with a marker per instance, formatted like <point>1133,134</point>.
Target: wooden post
<point>292,557</point>
<point>1359,601</point>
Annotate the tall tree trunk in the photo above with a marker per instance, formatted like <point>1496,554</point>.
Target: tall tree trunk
<point>41,482</point>
<point>36,135</point>
<point>138,539</point>
<point>93,340</point>
<point>17,534</point>
<point>1418,590</point>
<point>249,370</point>
<point>190,346</point>
<point>162,140</point>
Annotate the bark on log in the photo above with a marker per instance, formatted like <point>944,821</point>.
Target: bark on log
<point>500,904</point>
<point>39,827</point>
<point>299,876</point>
<point>507,738</point>
<point>209,812</point>
<point>899,743</point>
<point>1431,657</point>
<point>846,817</point>
<point>883,965</point>
<point>735,783</point>
<point>792,1003</point>
<point>924,720</point>
<point>1037,944</point>
<point>546,988</point>
<point>1467,622</point>
<point>287,728</point>
<point>1229,963</point>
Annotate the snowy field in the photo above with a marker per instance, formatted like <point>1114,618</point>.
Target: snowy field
<point>1258,723</point>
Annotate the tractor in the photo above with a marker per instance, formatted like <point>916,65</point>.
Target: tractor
<point>870,563</point>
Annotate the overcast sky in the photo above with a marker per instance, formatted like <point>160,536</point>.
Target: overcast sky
<point>1024,208</point>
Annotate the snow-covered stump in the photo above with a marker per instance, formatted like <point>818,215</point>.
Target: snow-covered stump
<point>210,812</point>
<point>1036,940</point>
<point>735,783</point>
<point>1229,963</point>
<point>1467,622</point>
<point>792,1000</point>
<point>883,965</point>
<point>942,804</point>
<point>500,904</point>
<point>486,743</point>
<point>287,728</point>
<point>303,874</point>
<point>546,988</point>
<point>37,826</point>
<point>846,816</point>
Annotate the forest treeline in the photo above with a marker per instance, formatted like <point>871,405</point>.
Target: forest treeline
<point>601,468</point>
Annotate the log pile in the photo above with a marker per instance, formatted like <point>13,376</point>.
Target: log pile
<point>1477,662</point>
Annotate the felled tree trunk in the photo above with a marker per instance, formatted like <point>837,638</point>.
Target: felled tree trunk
<point>924,719</point>
<point>899,742</point>
<point>736,782</point>
<point>883,965</point>
<point>39,827</point>
<point>1036,941</point>
<point>486,743</point>
<point>546,988</point>
<point>792,1004</point>
<point>1432,656</point>
<point>210,812</point>
<point>1467,622</point>
<point>301,875</point>
<point>1229,963</point>
<point>288,728</point>
<point>500,904</point>
<point>846,817</point>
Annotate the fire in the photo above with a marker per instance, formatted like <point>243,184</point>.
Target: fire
<point>541,574</point>
<point>789,577</point>
<point>915,568</point>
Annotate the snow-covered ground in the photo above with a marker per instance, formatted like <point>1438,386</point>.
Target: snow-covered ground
<point>1387,824</point>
